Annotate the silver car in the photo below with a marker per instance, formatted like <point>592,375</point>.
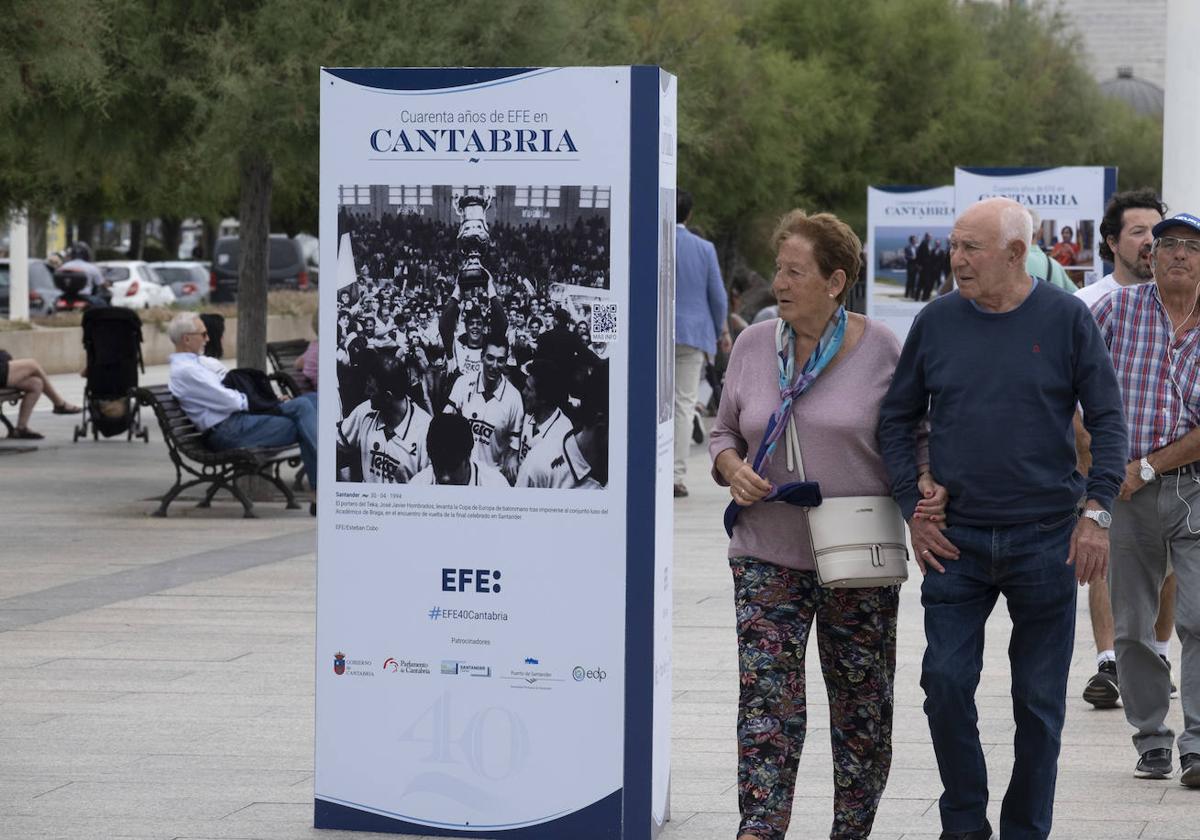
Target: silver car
<point>188,280</point>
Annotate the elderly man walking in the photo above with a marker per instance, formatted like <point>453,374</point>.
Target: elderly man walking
<point>997,367</point>
<point>700,308</point>
<point>1153,332</point>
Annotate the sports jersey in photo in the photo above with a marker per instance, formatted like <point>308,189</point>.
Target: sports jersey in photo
<point>561,465</point>
<point>481,476</point>
<point>495,422</point>
<point>552,430</point>
<point>388,456</point>
<point>469,360</point>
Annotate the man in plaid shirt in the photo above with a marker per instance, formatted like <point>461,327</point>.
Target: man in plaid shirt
<point>1152,334</point>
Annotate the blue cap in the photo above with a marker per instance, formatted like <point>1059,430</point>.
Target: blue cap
<point>1185,219</point>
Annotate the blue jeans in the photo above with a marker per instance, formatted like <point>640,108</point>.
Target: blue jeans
<point>297,424</point>
<point>1027,564</point>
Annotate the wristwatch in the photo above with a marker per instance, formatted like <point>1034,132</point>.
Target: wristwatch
<point>1101,517</point>
<point>1147,472</point>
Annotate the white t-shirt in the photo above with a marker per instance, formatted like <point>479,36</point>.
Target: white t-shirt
<point>495,422</point>
<point>553,429</point>
<point>389,456</point>
<point>561,465</point>
<point>469,360</point>
<point>1098,291</point>
<point>481,476</point>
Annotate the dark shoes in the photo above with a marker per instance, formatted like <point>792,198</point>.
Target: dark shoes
<point>680,490</point>
<point>25,434</point>
<point>984,833</point>
<point>1174,688</point>
<point>67,408</point>
<point>1189,765</point>
<point>697,428</point>
<point>1156,764</point>
<point>1101,690</point>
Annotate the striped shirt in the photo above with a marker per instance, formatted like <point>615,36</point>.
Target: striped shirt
<point>1160,384</point>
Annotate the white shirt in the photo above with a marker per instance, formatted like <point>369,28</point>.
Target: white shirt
<point>196,382</point>
<point>1098,291</point>
<point>469,360</point>
<point>561,466</point>
<point>533,433</point>
<point>495,422</point>
<point>481,476</point>
<point>389,455</point>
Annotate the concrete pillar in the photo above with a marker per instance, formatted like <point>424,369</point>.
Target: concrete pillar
<point>18,267</point>
<point>1181,119</point>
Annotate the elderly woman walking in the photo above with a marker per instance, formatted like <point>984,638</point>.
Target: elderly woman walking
<point>825,370</point>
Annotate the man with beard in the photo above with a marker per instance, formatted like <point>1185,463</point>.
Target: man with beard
<point>1153,333</point>
<point>544,395</point>
<point>493,408</point>
<point>1126,240</point>
<point>386,432</point>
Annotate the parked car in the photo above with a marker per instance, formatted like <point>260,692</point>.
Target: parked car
<point>287,268</point>
<point>135,285</point>
<point>42,292</point>
<point>187,279</point>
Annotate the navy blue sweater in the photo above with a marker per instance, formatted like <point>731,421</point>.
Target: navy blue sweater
<point>1001,390</point>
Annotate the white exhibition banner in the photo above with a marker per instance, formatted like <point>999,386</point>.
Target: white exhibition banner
<point>908,230</point>
<point>494,541</point>
<point>1069,203</point>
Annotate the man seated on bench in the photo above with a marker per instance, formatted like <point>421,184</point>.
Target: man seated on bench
<point>27,376</point>
<point>221,413</point>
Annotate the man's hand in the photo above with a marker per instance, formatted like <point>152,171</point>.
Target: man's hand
<point>929,544</point>
<point>1133,480</point>
<point>1089,550</point>
<point>724,343</point>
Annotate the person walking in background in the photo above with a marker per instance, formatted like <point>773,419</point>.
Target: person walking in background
<point>1153,333</point>
<point>1125,241</point>
<point>910,268</point>
<point>700,308</point>
<point>1012,527</point>
<point>819,373</point>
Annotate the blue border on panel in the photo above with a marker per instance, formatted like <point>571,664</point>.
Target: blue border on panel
<point>587,822</point>
<point>1005,171</point>
<point>423,78</point>
<point>642,468</point>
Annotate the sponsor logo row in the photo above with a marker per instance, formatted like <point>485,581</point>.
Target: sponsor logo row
<point>530,674</point>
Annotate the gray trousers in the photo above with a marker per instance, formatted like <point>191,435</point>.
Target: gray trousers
<point>1148,531</point>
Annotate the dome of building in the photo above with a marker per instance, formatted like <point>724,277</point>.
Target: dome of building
<point>1145,98</point>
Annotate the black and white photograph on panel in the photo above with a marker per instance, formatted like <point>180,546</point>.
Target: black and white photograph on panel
<point>473,332</point>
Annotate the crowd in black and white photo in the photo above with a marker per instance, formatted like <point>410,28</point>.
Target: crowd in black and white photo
<point>465,355</point>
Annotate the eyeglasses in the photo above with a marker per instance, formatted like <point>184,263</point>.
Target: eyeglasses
<point>1171,244</point>
<point>205,333</point>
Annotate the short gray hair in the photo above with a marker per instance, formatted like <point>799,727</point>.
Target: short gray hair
<point>181,325</point>
<point>1015,224</point>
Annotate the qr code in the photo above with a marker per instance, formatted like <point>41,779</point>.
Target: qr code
<point>604,322</point>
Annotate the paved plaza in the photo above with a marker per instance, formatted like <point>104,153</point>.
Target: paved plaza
<point>158,674</point>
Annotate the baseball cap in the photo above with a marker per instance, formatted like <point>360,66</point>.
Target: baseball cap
<point>1184,219</point>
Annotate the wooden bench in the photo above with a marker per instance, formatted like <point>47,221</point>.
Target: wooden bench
<point>283,355</point>
<point>219,470</point>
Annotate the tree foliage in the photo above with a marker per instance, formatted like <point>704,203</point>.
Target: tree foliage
<point>140,108</point>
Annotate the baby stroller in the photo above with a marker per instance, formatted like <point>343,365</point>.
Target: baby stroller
<point>112,338</point>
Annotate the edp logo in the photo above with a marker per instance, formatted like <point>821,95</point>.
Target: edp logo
<point>580,674</point>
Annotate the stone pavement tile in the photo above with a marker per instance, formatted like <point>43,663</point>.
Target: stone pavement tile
<point>704,826</point>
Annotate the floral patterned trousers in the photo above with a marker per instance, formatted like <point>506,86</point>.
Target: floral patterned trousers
<point>856,637</point>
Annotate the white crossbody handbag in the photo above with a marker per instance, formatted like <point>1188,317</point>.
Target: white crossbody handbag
<point>857,541</point>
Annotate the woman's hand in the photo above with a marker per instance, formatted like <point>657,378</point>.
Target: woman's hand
<point>747,487</point>
<point>932,505</point>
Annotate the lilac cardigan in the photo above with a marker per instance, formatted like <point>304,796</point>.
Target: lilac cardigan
<point>836,420</point>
